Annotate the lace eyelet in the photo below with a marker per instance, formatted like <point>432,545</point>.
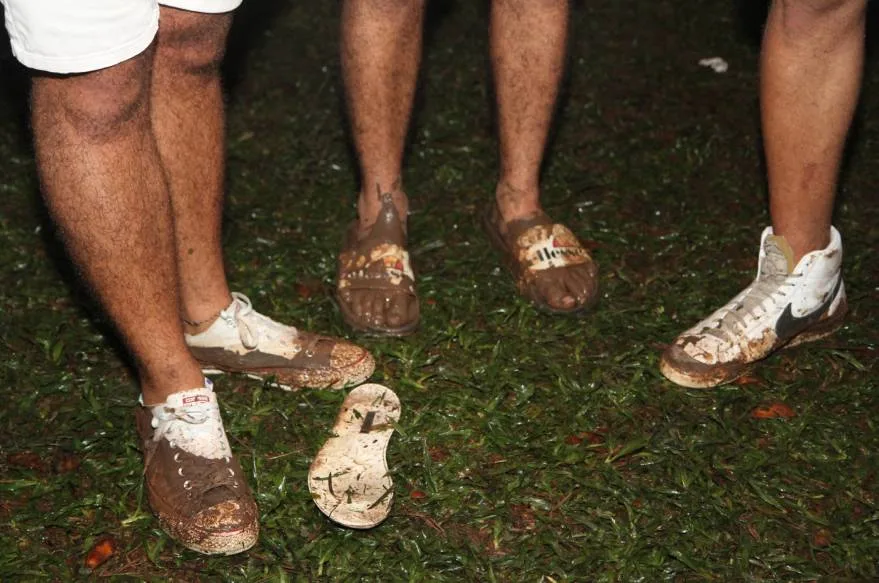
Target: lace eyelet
<point>309,353</point>
<point>231,471</point>
<point>172,444</point>
<point>187,485</point>
<point>177,457</point>
<point>180,472</point>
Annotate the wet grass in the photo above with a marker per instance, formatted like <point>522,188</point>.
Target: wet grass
<point>530,448</point>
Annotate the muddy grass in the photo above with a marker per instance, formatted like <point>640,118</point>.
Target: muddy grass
<point>530,447</point>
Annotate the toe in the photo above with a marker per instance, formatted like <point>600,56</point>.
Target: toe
<point>581,284</point>
<point>554,291</point>
<point>396,311</point>
<point>379,305</point>
<point>364,305</point>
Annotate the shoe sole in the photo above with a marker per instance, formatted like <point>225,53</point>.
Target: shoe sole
<point>820,330</point>
<point>348,479</point>
<point>367,363</point>
<point>226,544</point>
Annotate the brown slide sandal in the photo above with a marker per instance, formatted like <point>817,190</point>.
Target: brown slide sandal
<point>537,252</point>
<point>378,263</point>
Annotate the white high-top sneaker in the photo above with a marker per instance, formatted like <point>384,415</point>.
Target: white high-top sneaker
<point>785,305</point>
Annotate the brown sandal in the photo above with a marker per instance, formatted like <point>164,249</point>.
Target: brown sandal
<point>377,262</point>
<point>537,249</point>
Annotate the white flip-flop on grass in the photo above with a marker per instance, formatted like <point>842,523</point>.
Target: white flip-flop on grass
<point>349,479</point>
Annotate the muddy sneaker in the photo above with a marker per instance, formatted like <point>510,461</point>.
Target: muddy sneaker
<point>784,306</point>
<point>195,486</point>
<point>244,341</point>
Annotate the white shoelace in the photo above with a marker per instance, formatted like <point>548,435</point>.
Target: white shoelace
<point>196,429</point>
<point>760,298</point>
<point>252,325</point>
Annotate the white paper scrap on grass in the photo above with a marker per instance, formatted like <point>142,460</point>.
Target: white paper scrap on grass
<point>717,64</point>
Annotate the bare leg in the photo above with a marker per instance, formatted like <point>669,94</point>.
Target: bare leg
<point>381,51</point>
<point>104,186</point>
<point>528,44</point>
<point>813,52</point>
<point>188,122</point>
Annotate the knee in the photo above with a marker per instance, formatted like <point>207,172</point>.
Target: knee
<point>806,17</point>
<point>191,43</point>
<point>97,106</point>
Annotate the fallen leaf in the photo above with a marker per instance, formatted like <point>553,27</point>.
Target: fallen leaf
<point>773,411</point>
<point>748,380</point>
<point>26,459</point>
<point>66,463</point>
<point>101,552</point>
<point>523,517</point>
<point>573,440</point>
<point>417,495</point>
<point>822,538</point>
<point>438,454</point>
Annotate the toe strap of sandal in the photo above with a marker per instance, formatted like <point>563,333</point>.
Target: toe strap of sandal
<point>543,247</point>
<point>386,267</point>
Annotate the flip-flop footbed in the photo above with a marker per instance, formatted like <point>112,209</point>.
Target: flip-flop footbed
<point>348,479</point>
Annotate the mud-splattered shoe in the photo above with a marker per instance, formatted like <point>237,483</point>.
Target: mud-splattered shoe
<point>194,484</point>
<point>785,305</point>
<point>349,479</point>
<point>242,340</point>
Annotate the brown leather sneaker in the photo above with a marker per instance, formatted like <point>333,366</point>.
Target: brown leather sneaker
<point>195,486</point>
<point>241,340</point>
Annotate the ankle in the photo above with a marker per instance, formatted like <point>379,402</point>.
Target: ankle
<point>369,205</point>
<point>156,386</point>
<point>198,319</point>
<point>802,243</point>
<point>517,201</point>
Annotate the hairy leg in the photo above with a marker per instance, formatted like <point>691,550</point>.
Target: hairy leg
<point>813,52</point>
<point>528,45</point>
<point>381,52</point>
<point>104,185</point>
<point>189,122</point>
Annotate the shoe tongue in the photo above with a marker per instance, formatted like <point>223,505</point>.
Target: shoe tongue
<point>778,256</point>
<point>199,398</point>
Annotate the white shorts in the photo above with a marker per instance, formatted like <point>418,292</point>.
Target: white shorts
<point>76,36</point>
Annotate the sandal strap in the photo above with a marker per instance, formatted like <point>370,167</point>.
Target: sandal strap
<point>549,246</point>
<point>385,261</point>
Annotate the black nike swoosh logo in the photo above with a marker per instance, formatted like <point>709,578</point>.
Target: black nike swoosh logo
<point>787,326</point>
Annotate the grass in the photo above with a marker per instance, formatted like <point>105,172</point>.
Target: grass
<point>530,447</point>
